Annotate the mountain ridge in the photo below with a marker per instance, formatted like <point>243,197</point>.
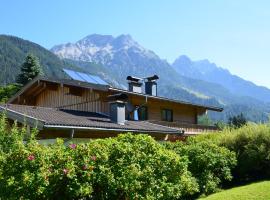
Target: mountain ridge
<point>205,70</point>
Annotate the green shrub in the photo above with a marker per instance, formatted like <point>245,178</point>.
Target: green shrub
<point>125,167</point>
<point>251,143</point>
<point>252,147</point>
<point>208,163</point>
<point>7,91</point>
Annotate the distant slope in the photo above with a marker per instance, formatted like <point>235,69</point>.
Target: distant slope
<point>204,70</point>
<point>13,51</point>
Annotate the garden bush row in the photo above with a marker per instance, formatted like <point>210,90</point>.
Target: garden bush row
<point>251,144</point>
<point>126,167</point>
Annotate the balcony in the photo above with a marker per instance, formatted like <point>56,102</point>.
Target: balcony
<point>189,129</point>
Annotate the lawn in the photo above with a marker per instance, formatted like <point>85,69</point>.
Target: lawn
<point>255,191</point>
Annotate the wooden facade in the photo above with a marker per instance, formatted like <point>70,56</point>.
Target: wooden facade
<point>71,98</point>
<point>47,94</point>
<point>181,113</point>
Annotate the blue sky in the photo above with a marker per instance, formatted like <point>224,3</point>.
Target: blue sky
<point>235,34</point>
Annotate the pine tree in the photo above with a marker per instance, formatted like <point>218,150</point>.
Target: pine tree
<point>237,121</point>
<point>29,70</point>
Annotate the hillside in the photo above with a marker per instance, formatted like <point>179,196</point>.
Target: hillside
<point>13,51</point>
<point>207,71</point>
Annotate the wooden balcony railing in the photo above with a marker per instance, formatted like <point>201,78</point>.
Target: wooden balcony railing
<point>188,128</point>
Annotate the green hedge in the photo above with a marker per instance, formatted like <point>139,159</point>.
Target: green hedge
<point>251,145</point>
<point>126,167</point>
<point>208,163</point>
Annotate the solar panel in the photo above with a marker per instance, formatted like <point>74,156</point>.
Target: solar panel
<point>73,75</point>
<point>86,78</point>
<point>79,76</point>
<point>99,80</point>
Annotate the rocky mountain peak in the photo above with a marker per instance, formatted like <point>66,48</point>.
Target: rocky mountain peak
<point>96,39</point>
<point>182,60</point>
<point>102,48</point>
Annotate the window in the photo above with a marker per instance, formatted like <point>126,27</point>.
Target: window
<point>167,115</point>
<point>142,113</point>
<point>75,91</point>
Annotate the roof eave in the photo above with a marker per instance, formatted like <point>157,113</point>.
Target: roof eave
<point>60,81</point>
<point>23,89</point>
<point>22,118</point>
<point>48,126</point>
<point>218,109</point>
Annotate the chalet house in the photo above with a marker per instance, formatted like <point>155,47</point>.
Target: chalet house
<point>85,106</point>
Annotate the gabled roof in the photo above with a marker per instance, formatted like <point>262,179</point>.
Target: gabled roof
<point>106,88</point>
<point>46,118</point>
<point>59,81</point>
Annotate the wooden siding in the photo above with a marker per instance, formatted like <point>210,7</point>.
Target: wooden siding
<point>181,113</point>
<point>86,100</point>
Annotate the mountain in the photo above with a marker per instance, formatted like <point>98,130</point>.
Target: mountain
<point>123,56</point>
<point>13,51</point>
<point>207,71</point>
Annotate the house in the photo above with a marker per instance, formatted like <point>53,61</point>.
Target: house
<point>84,108</point>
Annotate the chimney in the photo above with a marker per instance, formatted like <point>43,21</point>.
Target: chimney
<point>134,84</point>
<point>118,108</point>
<point>151,85</point>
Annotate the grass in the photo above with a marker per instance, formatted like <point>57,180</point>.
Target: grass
<point>254,191</point>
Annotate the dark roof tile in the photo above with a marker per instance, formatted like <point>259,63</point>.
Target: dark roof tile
<point>70,118</point>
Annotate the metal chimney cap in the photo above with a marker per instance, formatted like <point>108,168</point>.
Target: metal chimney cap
<point>134,79</point>
<point>152,78</point>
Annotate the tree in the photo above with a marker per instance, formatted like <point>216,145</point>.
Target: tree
<point>205,120</point>
<point>29,70</point>
<point>7,91</point>
<point>237,121</point>
<point>220,125</point>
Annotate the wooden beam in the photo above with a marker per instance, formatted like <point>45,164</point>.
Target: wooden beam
<point>40,90</point>
<point>33,89</point>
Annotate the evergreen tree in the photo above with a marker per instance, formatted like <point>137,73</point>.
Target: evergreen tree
<point>29,70</point>
<point>237,121</point>
<point>205,120</point>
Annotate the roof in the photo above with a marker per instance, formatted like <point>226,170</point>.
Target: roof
<point>43,118</point>
<point>59,81</point>
<point>106,88</point>
<point>218,109</point>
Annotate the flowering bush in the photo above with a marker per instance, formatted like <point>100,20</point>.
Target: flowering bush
<point>126,167</point>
